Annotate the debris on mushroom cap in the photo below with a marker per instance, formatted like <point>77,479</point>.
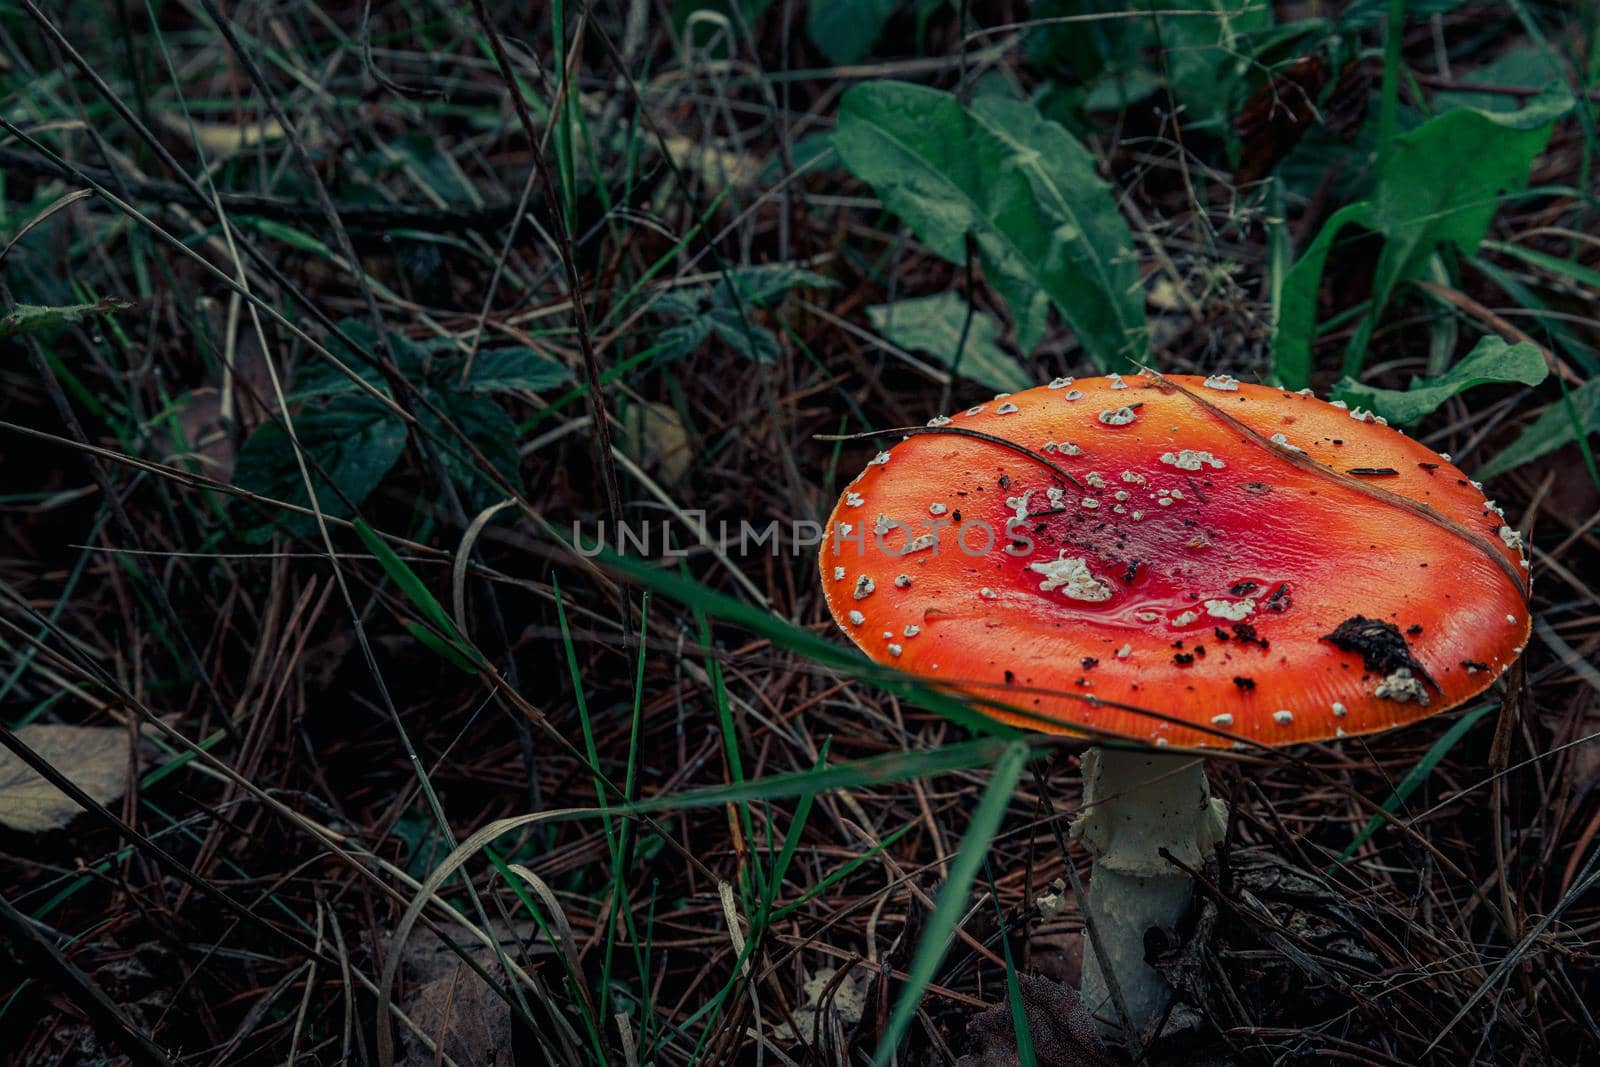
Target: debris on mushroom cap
<point>1265,589</point>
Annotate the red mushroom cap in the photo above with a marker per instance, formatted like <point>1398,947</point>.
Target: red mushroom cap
<point>1150,555</point>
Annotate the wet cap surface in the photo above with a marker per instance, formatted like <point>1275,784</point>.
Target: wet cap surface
<point>1250,560</point>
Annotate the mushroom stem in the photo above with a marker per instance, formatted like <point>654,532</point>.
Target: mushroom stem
<point>1137,803</point>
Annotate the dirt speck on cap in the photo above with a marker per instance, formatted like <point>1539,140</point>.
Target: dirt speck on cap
<point>1381,646</point>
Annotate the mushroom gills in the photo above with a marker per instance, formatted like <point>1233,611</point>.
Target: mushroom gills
<point>1136,803</point>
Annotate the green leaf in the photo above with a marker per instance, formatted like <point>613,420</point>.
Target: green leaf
<point>318,377</point>
<point>1297,321</point>
<point>1560,424</point>
<point>755,343</point>
<point>1417,775</point>
<point>1366,14</point>
<point>1529,67</point>
<point>1046,228</point>
<point>1206,60</point>
<point>489,428</point>
<point>684,337</point>
<point>440,632</point>
<point>354,441</point>
<point>765,286</point>
<point>726,310</point>
<point>1088,47</point>
<point>951,903</point>
<point>845,30</point>
<point>1443,185</point>
<point>1490,362</point>
<point>933,324</point>
<point>509,370</point>
<point>30,318</point>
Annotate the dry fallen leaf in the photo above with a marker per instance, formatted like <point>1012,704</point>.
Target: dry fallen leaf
<point>94,758</point>
<point>1062,1030</point>
<point>204,428</point>
<point>452,1004</point>
<point>718,167</point>
<point>461,1011</point>
<point>225,139</point>
<point>845,998</point>
<point>658,438</point>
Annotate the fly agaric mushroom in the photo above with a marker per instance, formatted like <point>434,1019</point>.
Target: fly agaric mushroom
<point>1171,561</point>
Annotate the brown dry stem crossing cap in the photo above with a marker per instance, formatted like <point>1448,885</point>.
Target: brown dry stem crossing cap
<point>1261,564</point>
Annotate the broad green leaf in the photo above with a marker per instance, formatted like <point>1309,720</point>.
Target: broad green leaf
<point>508,370</point>
<point>1443,185</point>
<point>1560,424</point>
<point>28,318</point>
<point>1297,319</point>
<point>845,30</point>
<point>765,286</point>
<point>951,902</point>
<point>354,440</point>
<point>318,377</point>
<point>489,428</point>
<point>1205,58</point>
<point>1490,362</point>
<point>1046,228</point>
<point>933,324</point>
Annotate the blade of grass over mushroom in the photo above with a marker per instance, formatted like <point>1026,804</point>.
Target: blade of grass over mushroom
<point>1490,362</point>
<point>1365,486</point>
<point>951,902</point>
<point>1046,226</point>
<point>934,324</point>
<point>1414,777</point>
<point>787,635</point>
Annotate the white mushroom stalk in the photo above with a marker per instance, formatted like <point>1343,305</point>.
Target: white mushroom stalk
<point>1137,803</point>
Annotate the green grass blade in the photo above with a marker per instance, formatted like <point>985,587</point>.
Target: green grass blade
<point>1019,1010</point>
<point>1416,776</point>
<point>952,899</point>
